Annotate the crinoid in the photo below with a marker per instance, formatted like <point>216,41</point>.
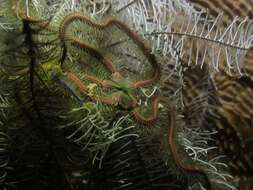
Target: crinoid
<point>126,95</point>
<point>234,95</point>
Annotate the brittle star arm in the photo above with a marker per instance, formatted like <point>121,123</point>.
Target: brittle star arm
<point>93,51</point>
<point>96,80</point>
<point>115,99</point>
<point>111,21</point>
<point>45,25</point>
<point>83,88</point>
<point>175,155</point>
<point>155,112</point>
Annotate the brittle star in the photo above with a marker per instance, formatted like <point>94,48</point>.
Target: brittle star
<point>116,76</point>
<point>138,84</point>
<point>111,100</point>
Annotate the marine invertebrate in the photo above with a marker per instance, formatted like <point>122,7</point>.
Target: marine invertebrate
<point>188,168</point>
<point>93,86</point>
<point>136,39</point>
